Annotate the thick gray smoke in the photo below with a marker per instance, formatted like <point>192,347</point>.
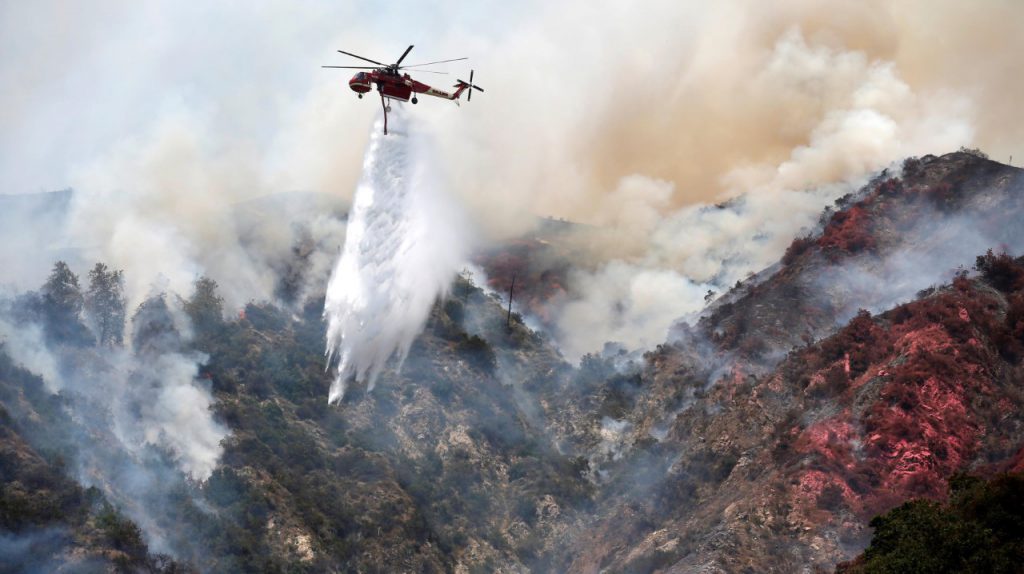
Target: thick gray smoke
<point>405,243</point>
<point>34,552</point>
<point>932,252</point>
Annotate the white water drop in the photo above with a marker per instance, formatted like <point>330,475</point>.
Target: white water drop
<point>405,242</point>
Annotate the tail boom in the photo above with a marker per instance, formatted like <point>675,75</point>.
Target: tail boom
<point>459,88</point>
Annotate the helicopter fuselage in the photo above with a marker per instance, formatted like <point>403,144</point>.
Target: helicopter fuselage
<point>399,87</point>
<point>393,84</point>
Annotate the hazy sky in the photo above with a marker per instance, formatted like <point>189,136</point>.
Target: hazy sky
<point>79,79</point>
<point>580,93</point>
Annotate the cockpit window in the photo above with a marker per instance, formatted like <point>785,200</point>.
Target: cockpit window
<point>361,75</point>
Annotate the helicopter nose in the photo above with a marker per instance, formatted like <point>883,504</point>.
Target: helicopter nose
<point>359,85</point>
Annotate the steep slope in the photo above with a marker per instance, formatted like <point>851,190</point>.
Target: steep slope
<point>899,234</point>
<point>763,438</point>
<point>979,529</point>
<point>48,522</point>
<point>435,470</point>
<point>439,469</point>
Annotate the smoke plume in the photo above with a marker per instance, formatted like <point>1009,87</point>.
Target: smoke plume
<point>139,421</point>
<point>165,126</point>
<point>935,247</point>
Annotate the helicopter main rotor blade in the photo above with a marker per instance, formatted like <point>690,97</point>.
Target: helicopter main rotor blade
<point>404,54</point>
<point>437,62</point>
<point>362,58</point>
<point>354,67</point>
<point>430,72</point>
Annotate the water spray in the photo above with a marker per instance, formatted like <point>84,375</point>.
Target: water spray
<point>403,247</point>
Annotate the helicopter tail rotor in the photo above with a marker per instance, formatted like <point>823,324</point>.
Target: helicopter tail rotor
<point>470,86</point>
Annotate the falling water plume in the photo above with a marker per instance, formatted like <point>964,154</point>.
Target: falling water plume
<point>403,247</point>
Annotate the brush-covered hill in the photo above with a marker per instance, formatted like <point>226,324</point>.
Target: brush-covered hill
<point>764,437</point>
<point>442,467</point>
<point>782,471</point>
<point>49,522</point>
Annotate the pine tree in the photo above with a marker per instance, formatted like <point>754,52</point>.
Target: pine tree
<point>60,306</point>
<point>105,304</point>
<point>62,296</point>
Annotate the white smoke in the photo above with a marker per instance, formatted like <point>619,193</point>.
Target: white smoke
<point>161,402</point>
<point>152,398</point>
<point>27,346</point>
<point>715,99</point>
<point>932,252</point>
<point>634,299</point>
<point>156,206</point>
<point>141,419</point>
<point>405,242</point>
<point>667,260</point>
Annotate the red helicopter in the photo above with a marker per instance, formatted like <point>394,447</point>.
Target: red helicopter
<point>393,84</point>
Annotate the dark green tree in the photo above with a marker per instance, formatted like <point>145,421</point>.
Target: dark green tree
<point>980,530</point>
<point>205,307</point>
<point>60,306</point>
<point>153,329</point>
<point>105,304</point>
<point>62,295</point>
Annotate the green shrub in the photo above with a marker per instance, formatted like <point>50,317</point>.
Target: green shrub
<point>478,353</point>
<point>980,529</point>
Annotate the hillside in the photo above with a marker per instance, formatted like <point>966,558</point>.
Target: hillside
<point>777,426</point>
<point>438,469</point>
<point>762,438</point>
